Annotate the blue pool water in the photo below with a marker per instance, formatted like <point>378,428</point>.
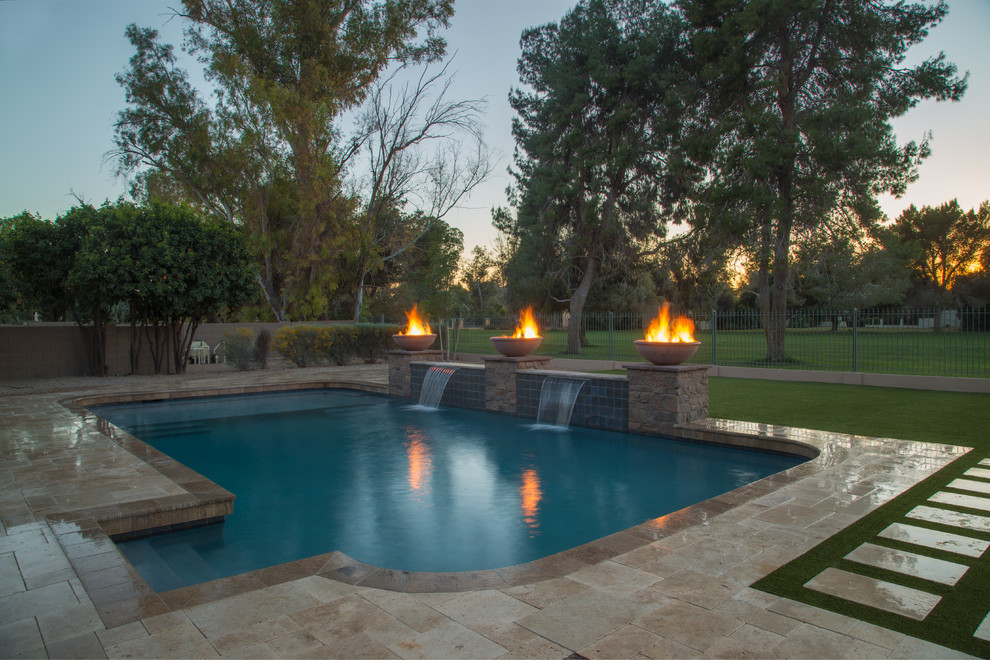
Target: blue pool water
<point>405,488</point>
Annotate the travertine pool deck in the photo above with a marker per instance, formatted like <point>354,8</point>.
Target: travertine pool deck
<point>677,586</point>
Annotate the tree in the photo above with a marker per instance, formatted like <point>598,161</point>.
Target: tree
<point>948,241</point>
<point>597,144</point>
<point>844,271</point>
<point>397,125</point>
<point>169,267</point>
<point>479,275</point>
<point>173,268</point>
<point>270,155</point>
<point>795,122</point>
<point>692,271</point>
<point>33,267</point>
<point>423,274</point>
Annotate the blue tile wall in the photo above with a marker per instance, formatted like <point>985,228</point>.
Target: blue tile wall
<point>465,389</point>
<point>602,403</point>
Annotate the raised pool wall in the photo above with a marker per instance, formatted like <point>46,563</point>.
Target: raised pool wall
<point>649,399</point>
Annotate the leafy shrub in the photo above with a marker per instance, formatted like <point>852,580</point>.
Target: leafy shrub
<point>261,345</point>
<point>343,340</point>
<point>372,341</point>
<point>307,345</point>
<point>238,348</point>
<point>303,345</point>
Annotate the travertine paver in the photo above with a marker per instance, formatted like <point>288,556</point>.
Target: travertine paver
<point>952,518</point>
<point>908,563</point>
<point>982,473</point>
<point>682,593</point>
<point>614,578</point>
<point>961,545</point>
<point>957,499</point>
<point>970,485</point>
<point>450,640</point>
<point>690,625</point>
<point>582,619</point>
<point>983,632</point>
<point>883,595</point>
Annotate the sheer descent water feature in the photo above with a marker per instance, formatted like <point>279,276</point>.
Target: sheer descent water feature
<point>434,383</point>
<point>649,399</point>
<point>557,397</point>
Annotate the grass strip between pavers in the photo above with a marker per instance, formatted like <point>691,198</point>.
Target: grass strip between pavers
<point>962,607</point>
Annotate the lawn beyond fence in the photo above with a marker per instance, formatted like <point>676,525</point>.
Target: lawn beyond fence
<point>908,342</point>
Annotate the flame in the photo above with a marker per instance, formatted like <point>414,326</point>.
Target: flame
<point>661,330</point>
<point>417,326</point>
<point>530,495</point>
<point>527,325</point>
<point>420,460</point>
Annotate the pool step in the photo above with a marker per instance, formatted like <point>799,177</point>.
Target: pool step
<point>155,570</point>
<point>347,407</point>
<point>167,567</point>
<point>167,429</point>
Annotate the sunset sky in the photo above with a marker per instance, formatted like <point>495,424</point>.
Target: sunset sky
<point>58,60</point>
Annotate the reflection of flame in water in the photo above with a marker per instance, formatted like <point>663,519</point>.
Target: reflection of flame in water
<point>530,496</point>
<point>420,460</point>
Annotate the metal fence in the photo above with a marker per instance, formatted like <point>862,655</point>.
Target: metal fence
<point>926,342</point>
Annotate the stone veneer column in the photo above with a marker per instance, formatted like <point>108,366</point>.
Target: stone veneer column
<point>662,397</point>
<point>400,373</point>
<point>500,379</point>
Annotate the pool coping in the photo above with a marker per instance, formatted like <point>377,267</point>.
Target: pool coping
<point>84,533</point>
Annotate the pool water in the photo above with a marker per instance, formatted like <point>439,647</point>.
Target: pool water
<point>404,488</point>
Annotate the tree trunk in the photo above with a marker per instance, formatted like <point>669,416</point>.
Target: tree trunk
<point>781,276</point>
<point>182,336</point>
<point>135,347</point>
<point>359,294</point>
<point>274,300</point>
<point>763,284</point>
<point>578,299</point>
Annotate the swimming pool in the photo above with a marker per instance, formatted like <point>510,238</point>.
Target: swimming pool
<point>399,487</point>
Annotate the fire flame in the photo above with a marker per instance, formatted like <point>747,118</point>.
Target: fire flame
<point>417,326</point>
<point>661,330</point>
<point>527,325</point>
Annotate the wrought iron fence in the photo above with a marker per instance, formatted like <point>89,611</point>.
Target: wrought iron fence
<point>927,342</point>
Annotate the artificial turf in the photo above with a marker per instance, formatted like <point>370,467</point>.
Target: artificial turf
<point>955,418</point>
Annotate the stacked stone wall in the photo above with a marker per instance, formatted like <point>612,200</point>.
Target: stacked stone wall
<point>663,397</point>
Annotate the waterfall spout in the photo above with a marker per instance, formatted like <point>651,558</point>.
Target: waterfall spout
<point>557,397</point>
<point>434,383</point>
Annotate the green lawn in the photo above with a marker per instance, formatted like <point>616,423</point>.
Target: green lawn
<point>946,417</point>
<point>893,351</point>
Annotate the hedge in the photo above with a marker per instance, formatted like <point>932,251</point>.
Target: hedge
<point>309,345</point>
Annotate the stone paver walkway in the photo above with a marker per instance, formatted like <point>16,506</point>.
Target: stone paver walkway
<point>678,587</point>
<point>915,567</point>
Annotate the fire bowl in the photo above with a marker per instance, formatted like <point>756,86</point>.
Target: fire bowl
<point>666,353</point>
<point>516,346</point>
<point>414,342</point>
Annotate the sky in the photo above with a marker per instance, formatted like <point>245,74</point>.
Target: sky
<point>58,59</point>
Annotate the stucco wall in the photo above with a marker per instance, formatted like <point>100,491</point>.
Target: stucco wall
<point>51,350</point>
